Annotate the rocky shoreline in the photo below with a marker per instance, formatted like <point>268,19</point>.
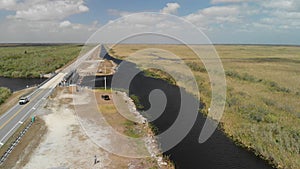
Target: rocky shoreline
<point>151,143</point>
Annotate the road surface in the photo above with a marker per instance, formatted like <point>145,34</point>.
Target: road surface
<point>14,118</point>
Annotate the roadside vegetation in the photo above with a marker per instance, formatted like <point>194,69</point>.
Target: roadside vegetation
<point>13,99</point>
<point>4,94</point>
<point>34,61</point>
<point>156,73</point>
<point>262,110</point>
<point>137,102</point>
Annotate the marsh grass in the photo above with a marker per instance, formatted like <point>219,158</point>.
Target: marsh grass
<point>33,61</point>
<point>263,93</point>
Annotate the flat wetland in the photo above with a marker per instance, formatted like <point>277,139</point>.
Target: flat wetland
<point>32,61</point>
<point>262,110</point>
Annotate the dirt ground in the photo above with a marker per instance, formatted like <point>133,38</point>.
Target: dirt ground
<point>106,67</point>
<point>66,144</point>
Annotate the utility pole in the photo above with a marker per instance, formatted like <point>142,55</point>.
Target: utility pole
<point>105,82</point>
<point>104,76</point>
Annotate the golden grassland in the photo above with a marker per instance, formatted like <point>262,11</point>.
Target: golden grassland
<point>262,110</point>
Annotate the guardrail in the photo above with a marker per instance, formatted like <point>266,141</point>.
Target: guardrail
<point>15,143</point>
<point>41,84</point>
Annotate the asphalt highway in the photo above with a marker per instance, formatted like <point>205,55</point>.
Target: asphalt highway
<point>15,117</point>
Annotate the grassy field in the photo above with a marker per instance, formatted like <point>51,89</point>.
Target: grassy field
<point>262,110</point>
<point>33,61</point>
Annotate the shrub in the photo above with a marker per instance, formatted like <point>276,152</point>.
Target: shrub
<point>273,86</point>
<point>4,94</point>
<point>196,67</point>
<point>268,102</point>
<point>137,102</point>
<point>232,101</point>
<point>38,59</point>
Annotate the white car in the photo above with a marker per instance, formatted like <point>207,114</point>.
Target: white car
<point>23,100</point>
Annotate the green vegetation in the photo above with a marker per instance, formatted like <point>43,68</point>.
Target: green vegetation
<point>33,61</point>
<point>262,110</point>
<point>132,130</point>
<point>273,86</point>
<point>137,102</point>
<point>196,67</point>
<point>4,94</point>
<point>156,73</point>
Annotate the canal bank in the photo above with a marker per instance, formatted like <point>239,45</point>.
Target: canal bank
<point>16,84</point>
<point>218,152</point>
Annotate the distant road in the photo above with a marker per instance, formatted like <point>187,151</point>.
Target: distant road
<point>13,118</point>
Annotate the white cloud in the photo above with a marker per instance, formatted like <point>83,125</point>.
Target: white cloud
<point>227,1</point>
<point>221,11</point>
<point>281,14</point>
<point>116,12</point>
<point>65,24</point>
<point>7,4</point>
<point>282,4</point>
<point>215,15</point>
<point>286,15</point>
<point>48,10</point>
<point>171,8</point>
<point>48,19</point>
<point>44,21</point>
<point>45,31</point>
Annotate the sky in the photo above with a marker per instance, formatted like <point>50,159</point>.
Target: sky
<point>222,21</point>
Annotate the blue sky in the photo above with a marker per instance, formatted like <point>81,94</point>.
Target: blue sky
<point>223,21</point>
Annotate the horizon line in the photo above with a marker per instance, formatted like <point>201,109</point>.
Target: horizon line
<point>80,43</point>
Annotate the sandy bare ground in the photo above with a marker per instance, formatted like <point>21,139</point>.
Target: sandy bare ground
<point>67,145</point>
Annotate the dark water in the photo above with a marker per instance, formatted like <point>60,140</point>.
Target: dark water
<point>16,84</point>
<point>219,152</point>
<point>96,82</point>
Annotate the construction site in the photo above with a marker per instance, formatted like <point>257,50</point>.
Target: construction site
<point>68,128</point>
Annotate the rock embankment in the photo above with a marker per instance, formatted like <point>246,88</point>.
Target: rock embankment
<point>150,141</point>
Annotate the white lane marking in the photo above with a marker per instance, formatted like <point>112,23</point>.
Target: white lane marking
<point>22,119</point>
<point>2,140</point>
<point>8,112</point>
<point>52,87</point>
<point>33,92</point>
<point>11,109</point>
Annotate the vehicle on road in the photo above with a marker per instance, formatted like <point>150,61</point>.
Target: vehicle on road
<point>23,100</point>
<point>105,97</point>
